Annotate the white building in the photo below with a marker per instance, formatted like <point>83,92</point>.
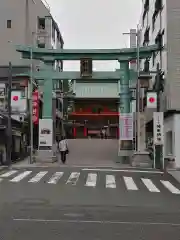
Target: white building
<point>160,22</point>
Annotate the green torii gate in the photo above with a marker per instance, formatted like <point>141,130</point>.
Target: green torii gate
<point>123,56</point>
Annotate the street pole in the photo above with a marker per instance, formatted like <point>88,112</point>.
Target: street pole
<point>9,127</point>
<point>158,148</point>
<point>138,89</point>
<point>62,104</point>
<point>158,87</point>
<point>31,105</point>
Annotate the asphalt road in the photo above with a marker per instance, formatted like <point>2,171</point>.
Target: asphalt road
<point>76,208</point>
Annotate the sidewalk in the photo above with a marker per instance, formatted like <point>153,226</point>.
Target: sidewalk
<point>70,163</point>
<point>3,168</point>
<point>175,174</point>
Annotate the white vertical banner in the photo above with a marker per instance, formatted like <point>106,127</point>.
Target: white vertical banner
<point>126,126</point>
<point>45,132</point>
<point>158,126</point>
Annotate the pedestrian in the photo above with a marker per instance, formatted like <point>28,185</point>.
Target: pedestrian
<point>103,133</point>
<point>63,148</point>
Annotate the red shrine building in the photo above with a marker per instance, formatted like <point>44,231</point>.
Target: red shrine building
<point>95,106</point>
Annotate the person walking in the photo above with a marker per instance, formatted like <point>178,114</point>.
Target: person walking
<point>63,148</point>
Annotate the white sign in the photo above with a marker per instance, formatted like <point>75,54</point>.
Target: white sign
<point>158,125</point>
<point>126,126</point>
<point>18,103</point>
<point>151,100</point>
<point>45,132</point>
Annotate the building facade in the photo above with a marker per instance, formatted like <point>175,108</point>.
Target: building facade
<point>95,108</point>
<point>160,24</point>
<point>27,22</point>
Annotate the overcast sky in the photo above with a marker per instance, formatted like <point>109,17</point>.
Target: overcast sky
<point>95,24</point>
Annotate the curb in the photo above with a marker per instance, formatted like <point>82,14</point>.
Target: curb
<point>171,173</point>
<point>2,168</point>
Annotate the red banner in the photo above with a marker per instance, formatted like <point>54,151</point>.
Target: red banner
<point>35,101</point>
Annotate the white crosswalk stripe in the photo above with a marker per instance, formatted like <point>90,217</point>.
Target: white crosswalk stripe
<point>170,187</point>
<point>21,176</point>
<point>55,178</point>
<point>130,184</point>
<point>150,185</point>
<point>73,178</point>
<point>8,174</point>
<point>110,181</point>
<point>91,180</point>
<point>38,177</point>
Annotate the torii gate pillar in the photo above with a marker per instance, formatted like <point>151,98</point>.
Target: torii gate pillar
<point>47,143</point>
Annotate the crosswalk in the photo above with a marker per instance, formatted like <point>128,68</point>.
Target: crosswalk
<point>89,180</point>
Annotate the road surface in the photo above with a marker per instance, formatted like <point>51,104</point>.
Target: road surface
<point>82,203</point>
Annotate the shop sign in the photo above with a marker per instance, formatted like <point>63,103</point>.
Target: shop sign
<point>35,111</point>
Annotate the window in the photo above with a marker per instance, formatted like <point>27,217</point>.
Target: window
<point>153,58</point>
<point>41,45</point>
<point>53,34</point>
<point>146,9</point>
<point>157,8</point>
<point>159,40</point>
<point>146,65</point>
<point>9,23</point>
<point>146,5</point>
<point>158,5</point>
<point>41,23</point>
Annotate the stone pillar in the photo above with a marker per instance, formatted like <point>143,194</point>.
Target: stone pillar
<point>125,146</point>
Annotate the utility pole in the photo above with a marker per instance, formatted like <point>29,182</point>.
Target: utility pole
<point>138,92</point>
<point>158,87</point>
<point>62,104</point>
<point>9,127</point>
<point>30,86</point>
<point>158,148</point>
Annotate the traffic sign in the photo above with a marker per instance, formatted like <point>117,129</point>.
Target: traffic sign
<point>151,100</point>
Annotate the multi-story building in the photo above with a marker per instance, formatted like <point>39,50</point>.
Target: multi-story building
<point>27,22</point>
<point>160,24</point>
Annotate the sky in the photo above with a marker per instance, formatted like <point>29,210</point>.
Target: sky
<point>95,24</point>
